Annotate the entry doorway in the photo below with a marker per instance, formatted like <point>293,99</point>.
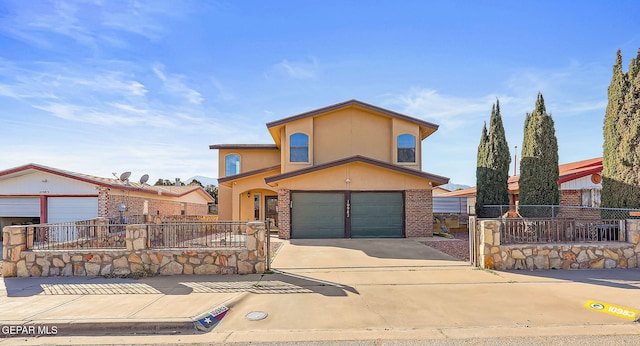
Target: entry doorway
<point>271,209</point>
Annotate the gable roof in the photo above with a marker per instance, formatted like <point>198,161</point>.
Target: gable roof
<point>247,174</point>
<point>358,158</point>
<point>171,191</point>
<point>244,146</point>
<point>468,192</point>
<point>426,127</point>
<point>567,172</point>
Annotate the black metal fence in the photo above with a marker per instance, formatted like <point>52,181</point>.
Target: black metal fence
<point>111,234</point>
<point>220,234</point>
<point>76,235</point>
<point>531,231</point>
<point>556,211</point>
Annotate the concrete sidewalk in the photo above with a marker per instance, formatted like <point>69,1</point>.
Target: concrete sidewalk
<point>327,290</point>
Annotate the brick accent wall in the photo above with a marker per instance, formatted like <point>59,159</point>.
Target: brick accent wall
<point>418,213</point>
<point>103,201</point>
<point>135,206</point>
<point>574,198</point>
<point>284,214</point>
<point>197,209</point>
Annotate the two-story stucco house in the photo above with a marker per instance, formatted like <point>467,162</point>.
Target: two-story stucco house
<point>347,170</point>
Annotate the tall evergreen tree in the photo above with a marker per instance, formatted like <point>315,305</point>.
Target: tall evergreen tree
<point>621,154</point>
<point>492,172</point>
<point>539,165</point>
<point>481,172</point>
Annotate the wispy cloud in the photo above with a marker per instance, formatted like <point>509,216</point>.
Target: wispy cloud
<point>451,112</point>
<point>88,23</point>
<point>298,69</point>
<point>94,95</point>
<point>175,84</point>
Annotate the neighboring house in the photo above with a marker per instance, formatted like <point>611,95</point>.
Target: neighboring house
<point>438,190</point>
<point>580,184</point>
<point>347,170</point>
<point>39,194</point>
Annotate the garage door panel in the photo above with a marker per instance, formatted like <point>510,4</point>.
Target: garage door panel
<point>317,215</point>
<point>66,209</point>
<point>19,207</point>
<point>377,214</point>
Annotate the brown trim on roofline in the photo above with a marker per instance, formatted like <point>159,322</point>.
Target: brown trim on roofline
<point>357,158</point>
<point>244,146</point>
<point>247,174</point>
<point>100,183</point>
<point>352,103</point>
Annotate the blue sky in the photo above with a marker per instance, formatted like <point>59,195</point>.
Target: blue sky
<point>146,86</point>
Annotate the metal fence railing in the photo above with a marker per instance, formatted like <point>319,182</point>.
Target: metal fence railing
<point>530,231</point>
<point>76,235</point>
<point>221,234</point>
<point>112,235</point>
<point>556,211</point>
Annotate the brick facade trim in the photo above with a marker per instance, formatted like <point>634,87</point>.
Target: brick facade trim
<point>418,206</point>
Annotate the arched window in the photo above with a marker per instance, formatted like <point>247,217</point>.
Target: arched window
<point>299,147</point>
<point>406,148</point>
<point>232,164</point>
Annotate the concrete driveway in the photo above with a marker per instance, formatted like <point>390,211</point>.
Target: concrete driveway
<point>346,289</point>
<point>386,288</point>
<point>300,254</point>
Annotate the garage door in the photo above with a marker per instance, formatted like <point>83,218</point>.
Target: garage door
<point>19,207</point>
<point>377,214</point>
<point>65,209</point>
<point>317,215</point>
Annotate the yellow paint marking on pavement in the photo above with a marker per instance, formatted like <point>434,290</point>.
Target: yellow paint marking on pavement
<point>611,309</point>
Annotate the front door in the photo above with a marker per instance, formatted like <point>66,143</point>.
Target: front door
<point>271,209</point>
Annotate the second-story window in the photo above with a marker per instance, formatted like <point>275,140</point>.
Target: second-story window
<point>299,148</point>
<point>232,164</point>
<point>406,148</point>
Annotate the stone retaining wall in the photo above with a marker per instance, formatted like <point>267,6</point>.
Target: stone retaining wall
<point>136,258</point>
<point>493,255</point>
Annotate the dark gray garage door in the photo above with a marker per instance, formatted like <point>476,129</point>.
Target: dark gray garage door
<point>317,215</point>
<point>377,214</point>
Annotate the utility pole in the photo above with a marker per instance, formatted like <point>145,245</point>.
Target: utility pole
<point>515,161</point>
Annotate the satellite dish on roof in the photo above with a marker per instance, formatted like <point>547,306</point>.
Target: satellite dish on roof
<point>124,176</point>
<point>144,178</point>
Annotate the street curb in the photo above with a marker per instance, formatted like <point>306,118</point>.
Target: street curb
<point>182,326</point>
<point>35,328</point>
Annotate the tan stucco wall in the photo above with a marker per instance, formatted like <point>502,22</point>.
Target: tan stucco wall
<point>362,177</point>
<point>350,132</point>
<point>247,211</point>
<point>225,208</point>
<point>300,126</point>
<point>250,159</point>
<point>233,203</point>
<point>401,127</point>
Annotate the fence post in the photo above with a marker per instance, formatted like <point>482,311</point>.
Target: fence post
<point>137,237</point>
<point>473,250</point>
<point>14,243</point>
<point>256,243</point>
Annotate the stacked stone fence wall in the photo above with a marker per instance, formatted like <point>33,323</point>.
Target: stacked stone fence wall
<point>138,257</point>
<point>584,255</point>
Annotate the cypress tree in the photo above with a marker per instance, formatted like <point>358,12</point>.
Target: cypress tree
<point>481,172</point>
<point>492,172</point>
<point>539,166</point>
<point>621,154</point>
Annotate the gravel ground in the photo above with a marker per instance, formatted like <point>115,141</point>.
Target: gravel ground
<point>458,247</point>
